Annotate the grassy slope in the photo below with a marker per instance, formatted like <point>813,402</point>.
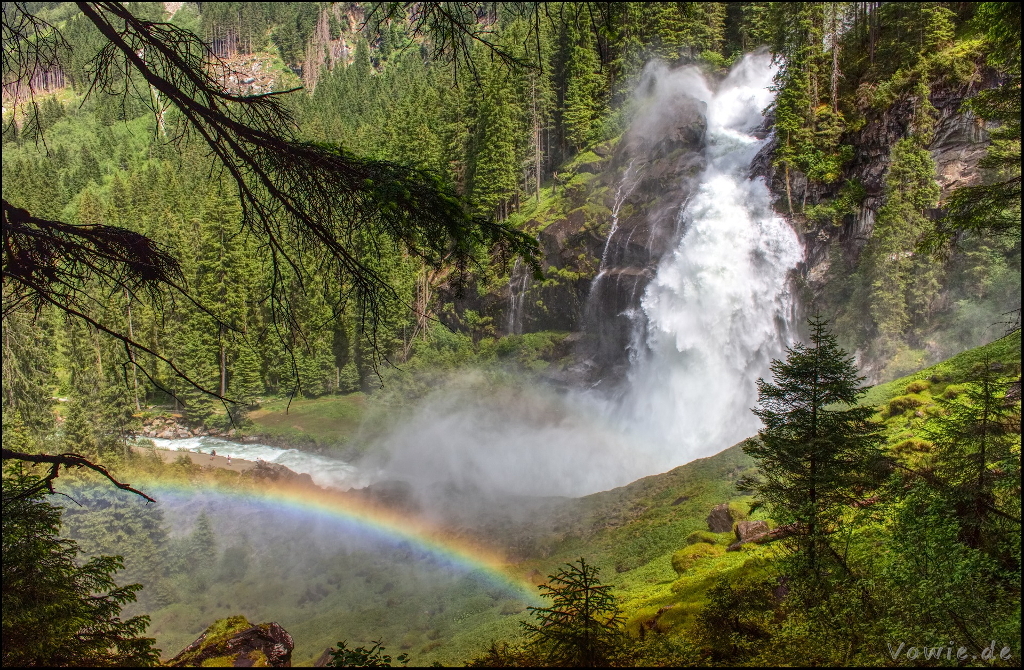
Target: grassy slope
<point>632,532</point>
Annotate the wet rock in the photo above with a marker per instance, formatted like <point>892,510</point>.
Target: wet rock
<point>234,642</point>
<point>720,520</point>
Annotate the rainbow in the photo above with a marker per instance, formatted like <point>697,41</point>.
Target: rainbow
<point>458,552</point>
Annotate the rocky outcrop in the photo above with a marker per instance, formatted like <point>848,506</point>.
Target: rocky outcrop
<point>959,141</point>
<point>277,473</point>
<point>720,520</point>
<point>169,428</point>
<point>234,642</point>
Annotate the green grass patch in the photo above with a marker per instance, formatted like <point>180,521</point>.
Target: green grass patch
<point>330,422</point>
<point>1005,351</point>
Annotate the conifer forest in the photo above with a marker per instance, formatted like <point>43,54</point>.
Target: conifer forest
<point>386,334</point>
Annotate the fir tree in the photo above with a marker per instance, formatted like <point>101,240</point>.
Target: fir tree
<point>818,449</point>
<point>583,625</point>
<point>582,105</point>
<point>57,612</point>
<point>977,458</point>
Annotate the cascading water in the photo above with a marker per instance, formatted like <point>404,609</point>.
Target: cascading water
<point>626,186</point>
<point>719,307</point>
<point>518,282</point>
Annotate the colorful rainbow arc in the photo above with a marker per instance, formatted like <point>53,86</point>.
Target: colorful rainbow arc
<point>381,521</point>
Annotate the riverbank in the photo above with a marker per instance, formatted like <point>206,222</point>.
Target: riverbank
<point>205,460</point>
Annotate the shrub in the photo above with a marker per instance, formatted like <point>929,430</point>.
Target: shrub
<point>953,390</point>
<point>901,404</point>
<point>918,386</point>
<point>913,445</point>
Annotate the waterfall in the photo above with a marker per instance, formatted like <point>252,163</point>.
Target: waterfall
<point>626,186</point>
<point>518,282</point>
<point>694,283</point>
<point>719,308</point>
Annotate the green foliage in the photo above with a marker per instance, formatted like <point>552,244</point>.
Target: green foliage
<point>582,626</point>
<point>57,612</point>
<point>702,536</point>
<point>904,285</point>
<point>976,435</point>
<point>736,622</point>
<point>362,657</point>
<point>583,94</point>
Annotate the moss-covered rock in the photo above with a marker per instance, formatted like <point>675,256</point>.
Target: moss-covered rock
<point>235,643</point>
<point>686,558</point>
<point>699,536</point>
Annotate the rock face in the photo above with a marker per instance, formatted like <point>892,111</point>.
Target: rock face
<point>654,171</point>
<point>618,215</point>
<point>957,144</point>
<point>720,520</point>
<point>234,642</point>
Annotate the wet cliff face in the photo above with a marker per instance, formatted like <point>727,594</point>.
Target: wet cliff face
<point>655,170</point>
<point>620,215</point>
<point>958,143</point>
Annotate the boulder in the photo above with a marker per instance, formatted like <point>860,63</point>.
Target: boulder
<point>748,530</point>
<point>236,643</point>
<point>720,520</point>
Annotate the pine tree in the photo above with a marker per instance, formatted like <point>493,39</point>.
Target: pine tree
<point>977,442</point>
<point>583,625</point>
<point>817,450</point>
<point>57,612</point>
<point>584,86</point>
<point>894,268</point>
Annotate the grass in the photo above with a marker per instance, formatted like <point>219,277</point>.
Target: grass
<point>1005,350</point>
<point>324,423</point>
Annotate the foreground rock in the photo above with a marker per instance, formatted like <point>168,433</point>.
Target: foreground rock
<point>236,643</point>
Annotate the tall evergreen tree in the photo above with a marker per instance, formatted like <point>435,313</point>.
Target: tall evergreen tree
<point>817,450</point>
<point>583,624</point>
<point>584,88</point>
<point>977,455</point>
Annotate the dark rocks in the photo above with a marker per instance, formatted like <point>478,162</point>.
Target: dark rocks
<point>720,520</point>
<point>234,642</point>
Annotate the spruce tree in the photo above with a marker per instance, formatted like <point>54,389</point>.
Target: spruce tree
<point>818,449</point>
<point>977,455</point>
<point>583,624</point>
<point>583,89</point>
<point>56,611</point>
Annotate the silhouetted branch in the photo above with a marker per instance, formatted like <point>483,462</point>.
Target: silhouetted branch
<point>66,460</point>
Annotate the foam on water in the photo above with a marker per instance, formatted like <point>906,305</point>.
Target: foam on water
<point>719,308</point>
<point>324,470</point>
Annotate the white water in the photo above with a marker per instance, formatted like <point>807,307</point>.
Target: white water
<point>324,470</point>
<point>719,309</point>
